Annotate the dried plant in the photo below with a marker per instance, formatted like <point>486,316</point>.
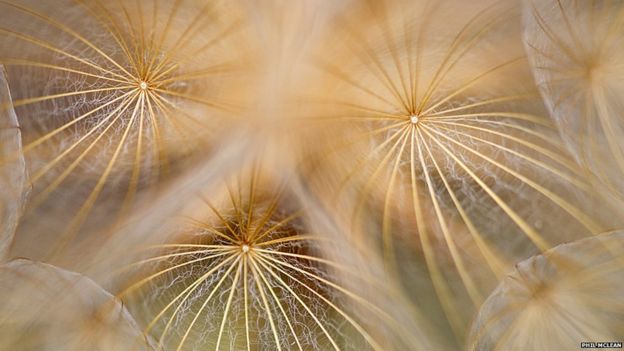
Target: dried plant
<point>566,296</point>
<point>48,308</point>
<point>576,53</point>
<point>435,141</point>
<point>311,174</point>
<point>114,96</point>
<point>247,273</point>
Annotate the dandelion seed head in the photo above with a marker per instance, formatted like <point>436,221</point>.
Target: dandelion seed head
<point>251,271</point>
<point>440,163</point>
<point>579,70</point>
<point>439,141</point>
<point>110,108</point>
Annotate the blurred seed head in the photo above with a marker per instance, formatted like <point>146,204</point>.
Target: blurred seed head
<point>48,308</point>
<point>576,54</point>
<point>559,299</point>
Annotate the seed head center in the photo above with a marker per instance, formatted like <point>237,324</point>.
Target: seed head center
<point>143,85</point>
<point>245,248</point>
<point>414,119</point>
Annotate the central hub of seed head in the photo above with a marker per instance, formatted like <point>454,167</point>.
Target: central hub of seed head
<point>245,248</point>
<point>143,85</point>
<point>414,119</point>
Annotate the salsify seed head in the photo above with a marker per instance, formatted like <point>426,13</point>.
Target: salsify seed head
<point>247,273</point>
<point>114,98</point>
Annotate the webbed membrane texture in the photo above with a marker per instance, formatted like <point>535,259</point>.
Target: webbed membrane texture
<point>189,175</point>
